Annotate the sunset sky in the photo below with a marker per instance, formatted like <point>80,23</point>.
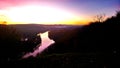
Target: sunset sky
<point>55,11</point>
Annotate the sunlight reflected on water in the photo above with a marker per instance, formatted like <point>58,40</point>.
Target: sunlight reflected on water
<point>45,42</point>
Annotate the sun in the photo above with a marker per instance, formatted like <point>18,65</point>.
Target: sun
<point>40,15</point>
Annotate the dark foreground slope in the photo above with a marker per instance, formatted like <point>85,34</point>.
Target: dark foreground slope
<point>100,41</point>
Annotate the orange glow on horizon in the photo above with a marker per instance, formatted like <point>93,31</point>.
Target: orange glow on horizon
<point>41,15</point>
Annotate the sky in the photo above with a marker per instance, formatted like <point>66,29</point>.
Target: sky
<point>65,11</point>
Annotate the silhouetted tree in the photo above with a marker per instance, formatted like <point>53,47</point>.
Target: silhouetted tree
<point>99,18</point>
<point>118,13</point>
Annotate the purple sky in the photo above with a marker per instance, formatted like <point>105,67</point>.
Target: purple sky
<point>88,8</point>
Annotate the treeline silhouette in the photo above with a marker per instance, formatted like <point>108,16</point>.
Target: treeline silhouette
<point>98,39</point>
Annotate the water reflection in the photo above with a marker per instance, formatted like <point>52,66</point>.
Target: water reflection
<point>45,42</point>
